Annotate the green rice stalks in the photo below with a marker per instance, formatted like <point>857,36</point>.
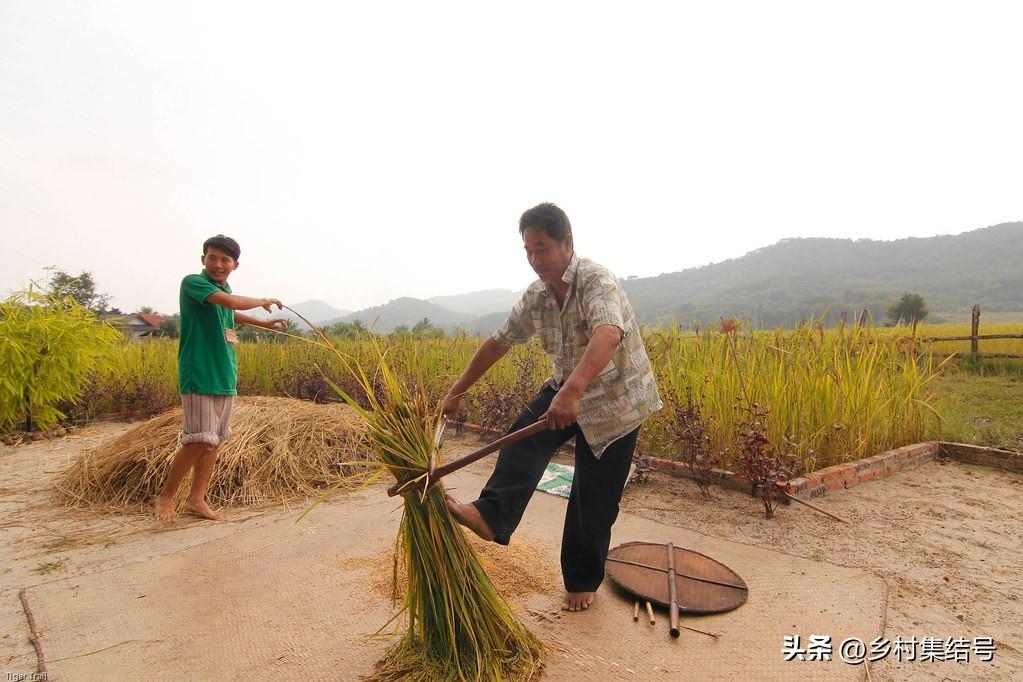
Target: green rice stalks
<point>458,626</point>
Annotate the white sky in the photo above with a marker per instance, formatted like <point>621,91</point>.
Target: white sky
<point>361,152</point>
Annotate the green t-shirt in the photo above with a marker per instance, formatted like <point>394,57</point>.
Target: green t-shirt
<point>206,361</point>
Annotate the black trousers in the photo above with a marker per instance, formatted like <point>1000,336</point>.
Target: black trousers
<point>592,506</point>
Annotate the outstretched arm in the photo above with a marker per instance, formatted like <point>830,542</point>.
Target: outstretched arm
<point>489,353</point>
<point>278,323</point>
<point>235,302</point>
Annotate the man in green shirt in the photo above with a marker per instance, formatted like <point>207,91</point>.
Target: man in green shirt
<point>208,371</point>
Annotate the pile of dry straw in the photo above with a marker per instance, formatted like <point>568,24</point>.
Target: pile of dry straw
<point>280,449</point>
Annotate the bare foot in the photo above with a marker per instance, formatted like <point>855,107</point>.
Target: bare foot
<point>165,510</point>
<point>577,601</point>
<point>469,516</point>
<point>202,509</point>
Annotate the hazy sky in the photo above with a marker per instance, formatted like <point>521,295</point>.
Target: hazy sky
<point>361,152</point>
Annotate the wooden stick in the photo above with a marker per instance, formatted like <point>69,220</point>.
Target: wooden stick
<point>781,487</point>
<point>677,573</point>
<point>650,613</point>
<point>33,634</point>
<point>709,634</point>
<point>635,613</point>
<point>672,593</point>
<point>441,471</point>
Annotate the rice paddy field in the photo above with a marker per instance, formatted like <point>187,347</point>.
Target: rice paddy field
<point>825,395</point>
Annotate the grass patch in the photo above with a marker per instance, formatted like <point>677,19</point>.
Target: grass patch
<point>983,410</point>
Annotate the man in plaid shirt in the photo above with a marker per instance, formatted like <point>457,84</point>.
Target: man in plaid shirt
<point>601,391</point>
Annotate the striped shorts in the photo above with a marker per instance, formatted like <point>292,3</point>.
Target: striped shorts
<point>206,418</point>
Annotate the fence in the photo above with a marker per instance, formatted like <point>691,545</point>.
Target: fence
<point>975,338</point>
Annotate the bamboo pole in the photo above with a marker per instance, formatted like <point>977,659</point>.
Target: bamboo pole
<point>441,471</point>
<point>672,593</point>
<point>781,487</point>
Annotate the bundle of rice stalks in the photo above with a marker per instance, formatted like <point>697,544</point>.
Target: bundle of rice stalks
<point>279,449</point>
<point>458,626</point>
<point>517,570</point>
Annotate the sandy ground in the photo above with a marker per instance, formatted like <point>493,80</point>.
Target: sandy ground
<point>945,538</point>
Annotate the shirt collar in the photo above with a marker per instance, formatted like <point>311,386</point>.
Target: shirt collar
<point>568,277</point>
<point>573,265</point>
<point>225,286</point>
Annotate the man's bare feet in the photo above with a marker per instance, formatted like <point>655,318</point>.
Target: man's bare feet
<point>165,510</point>
<point>202,509</point>
<point>469,516</point>
<point>577,601</point>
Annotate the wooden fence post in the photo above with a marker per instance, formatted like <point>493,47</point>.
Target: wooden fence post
<point>975,330</point>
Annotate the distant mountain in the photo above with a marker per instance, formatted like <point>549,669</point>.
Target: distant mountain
<point>479,302</point>
<point>798,278</point>
<point>486,324</point>
<point>407,311</point>
<point>777,285</point>
<point>317,311</point>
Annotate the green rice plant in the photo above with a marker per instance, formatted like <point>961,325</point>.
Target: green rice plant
<point>143,381</point>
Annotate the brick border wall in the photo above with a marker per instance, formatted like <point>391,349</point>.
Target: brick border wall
<point>978,454</point>
<point>844,476</point>
<point>823,481</point>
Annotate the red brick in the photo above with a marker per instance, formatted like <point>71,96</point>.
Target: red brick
<point>830,473</point>
<point>903,455</point>
<point>819,490</point>
<point>888,457</point>
<point>796,486</point>
<point>834,484</point>
<point>659,464</point>
<point>851,481</point>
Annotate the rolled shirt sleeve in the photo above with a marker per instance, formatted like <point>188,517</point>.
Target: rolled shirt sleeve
<point>198,288</point>
<point>602,302</point>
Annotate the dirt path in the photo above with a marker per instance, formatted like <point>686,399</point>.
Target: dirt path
<point>946,539</point>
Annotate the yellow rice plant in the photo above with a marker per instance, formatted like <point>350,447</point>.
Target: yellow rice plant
<point>457,627</point>
<point>833,396</point>
<point>1013,346</point>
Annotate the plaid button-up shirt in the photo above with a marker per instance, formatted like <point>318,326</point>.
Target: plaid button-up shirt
<point>624,393</point>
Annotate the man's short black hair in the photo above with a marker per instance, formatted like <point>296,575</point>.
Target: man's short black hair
<point>549,218</point>
<point>225,244</point>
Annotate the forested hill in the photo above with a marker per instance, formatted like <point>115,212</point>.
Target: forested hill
<point>798,278</point>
